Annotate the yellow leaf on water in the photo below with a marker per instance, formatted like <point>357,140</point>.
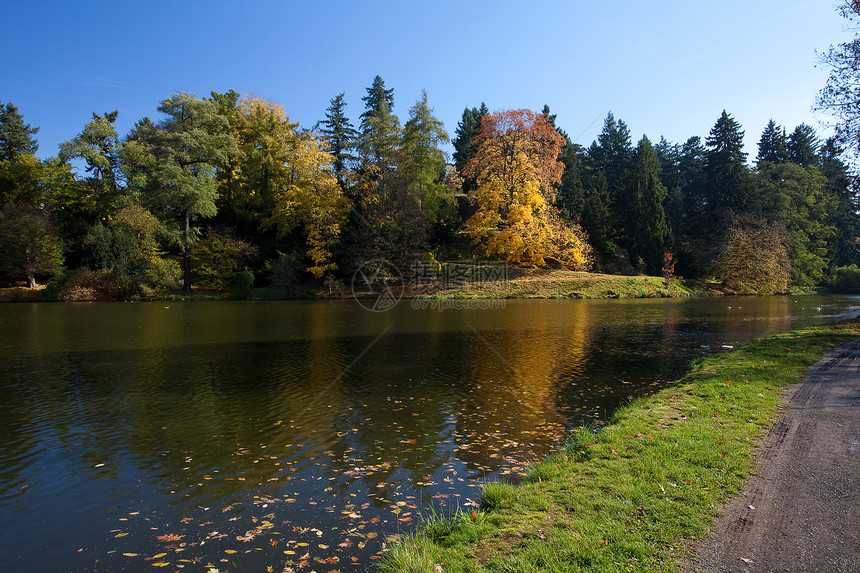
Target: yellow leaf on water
<point>130,554</point>
<point>161,564</point>
<point>120,534</point>
<point>230,551</point>
<point>159,556</point>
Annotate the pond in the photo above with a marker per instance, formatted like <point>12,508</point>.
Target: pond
<point>307,436</point>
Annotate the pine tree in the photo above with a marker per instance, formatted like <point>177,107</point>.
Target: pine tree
<point>726,172</point>
<point>772,145</point>
<point>341,136</point>
<point>802,146</point>
<point>650,237</point>
<point>16,137</point>
<point>843,249</point>
<point>464,140</point>
<point>379,133</point>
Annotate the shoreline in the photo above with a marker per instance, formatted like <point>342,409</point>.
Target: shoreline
<point>635,494</point>
<point>519,284</point>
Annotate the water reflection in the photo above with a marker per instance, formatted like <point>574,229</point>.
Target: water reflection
<point>248,435</point>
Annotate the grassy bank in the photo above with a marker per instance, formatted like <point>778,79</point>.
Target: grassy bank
<point>628,497</point>
<point>542,283</point>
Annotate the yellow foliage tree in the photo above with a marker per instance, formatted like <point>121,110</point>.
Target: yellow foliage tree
<point>287,179</point>
<point>516,168</point>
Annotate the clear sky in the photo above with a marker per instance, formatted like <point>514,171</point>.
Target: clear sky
<point>664,67</point>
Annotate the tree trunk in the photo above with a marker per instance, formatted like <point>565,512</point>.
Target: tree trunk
<point>186,255</point>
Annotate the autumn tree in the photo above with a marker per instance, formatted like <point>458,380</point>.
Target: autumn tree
<point>310,199</point>
<point>516,168</point>
<point>753,257</point>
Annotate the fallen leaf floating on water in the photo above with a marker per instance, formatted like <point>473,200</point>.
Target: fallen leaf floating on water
<point>167,537</point>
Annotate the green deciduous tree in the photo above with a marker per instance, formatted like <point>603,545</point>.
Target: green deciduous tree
<point>29,246</point>
<point>178,159</point>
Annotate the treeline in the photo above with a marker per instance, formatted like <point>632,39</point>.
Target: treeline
<point>226,192</point>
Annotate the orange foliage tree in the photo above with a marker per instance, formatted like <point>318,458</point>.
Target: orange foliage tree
<point>516,168</point>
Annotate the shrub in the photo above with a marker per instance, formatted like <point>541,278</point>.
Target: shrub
<point>847,279</point>
<point>242,284</point>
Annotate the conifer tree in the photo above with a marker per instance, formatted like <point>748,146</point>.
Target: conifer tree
<point>650,237</point>
<point>340,135</point>
<point>772,145</point>
<point>726,173</point>
<point>16,137</point>
<point>802,146</point>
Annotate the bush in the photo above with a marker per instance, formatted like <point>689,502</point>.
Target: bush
<point>242,284</point>
<point>847,279</point>
<point>84,285</point>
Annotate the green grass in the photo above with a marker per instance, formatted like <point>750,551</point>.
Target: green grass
<point>541,283</point>
<point>630,496</point>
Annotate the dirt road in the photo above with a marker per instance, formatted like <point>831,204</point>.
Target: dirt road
<point>801,512</point>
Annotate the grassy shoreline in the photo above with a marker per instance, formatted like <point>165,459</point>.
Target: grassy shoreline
<point>631,496</point>
<point>518,283</point>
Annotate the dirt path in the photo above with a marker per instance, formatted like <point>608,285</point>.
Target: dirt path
<point>806,494</point>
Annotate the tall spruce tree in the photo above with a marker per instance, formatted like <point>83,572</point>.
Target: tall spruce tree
<point>649,233</point>
<point>340,135</point>
<point>843,249</point>
<point>802,146</point>
<point>772,145</point>
<point>16,137</point>
<point>464,140</point>
<point>379,132</point>
<point>727,175</point>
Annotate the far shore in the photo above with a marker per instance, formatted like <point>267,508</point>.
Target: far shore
<point>516,284</point>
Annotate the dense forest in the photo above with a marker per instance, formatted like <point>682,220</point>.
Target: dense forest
<point>225,192</point>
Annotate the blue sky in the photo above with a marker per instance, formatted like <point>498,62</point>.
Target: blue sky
<point>665,67</point>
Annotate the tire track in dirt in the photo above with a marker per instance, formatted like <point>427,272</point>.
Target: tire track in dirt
<point>801,512</point>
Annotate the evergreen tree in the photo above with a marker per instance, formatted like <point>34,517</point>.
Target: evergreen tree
<point>16,137</point>
<point>464,140</point>
<point>341,136</point>
<point>424,161</point>
<point>843,249</point>
<point>802,146</point>
<point>379,133</point>
<point>597,218</point>
<point>772,145</point>
<point>727,176</point>
<point>650,237</point>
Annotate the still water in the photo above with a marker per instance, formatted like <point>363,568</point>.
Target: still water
<point>305,436</point>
